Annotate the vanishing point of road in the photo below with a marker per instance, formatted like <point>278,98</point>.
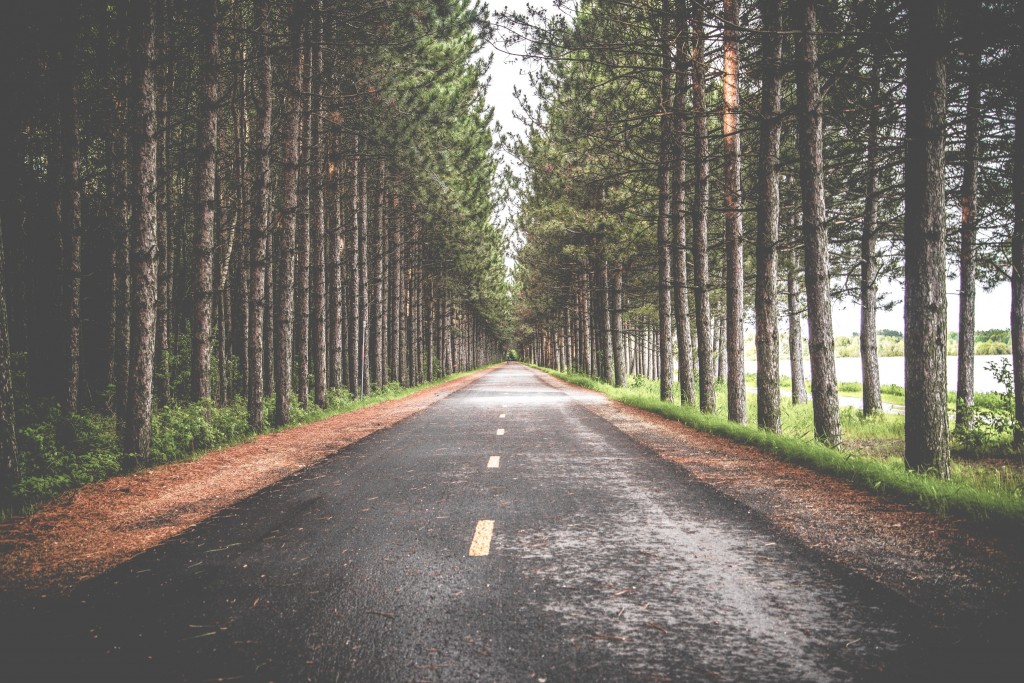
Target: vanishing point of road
<point>505,533</point>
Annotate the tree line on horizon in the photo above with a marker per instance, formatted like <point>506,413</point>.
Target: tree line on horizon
<point>695,163</point>
<point>224,201</point>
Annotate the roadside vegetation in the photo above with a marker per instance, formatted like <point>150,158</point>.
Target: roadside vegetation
<point>987,492</point>
<point>60,453</point>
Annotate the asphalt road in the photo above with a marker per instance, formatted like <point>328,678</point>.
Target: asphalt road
<point>603,562</point>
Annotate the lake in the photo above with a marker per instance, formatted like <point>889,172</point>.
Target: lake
<point>890,370</point>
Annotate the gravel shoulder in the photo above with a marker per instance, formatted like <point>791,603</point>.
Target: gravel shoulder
<point>92,529</point>
<point>939,564</point>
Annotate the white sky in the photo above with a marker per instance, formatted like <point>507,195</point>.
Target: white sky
<point>993,308</point>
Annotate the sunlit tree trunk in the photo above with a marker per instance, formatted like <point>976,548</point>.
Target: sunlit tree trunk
<point>796,341</point>
<point>665,373</point>
<point>968,237</point>
<point>680,280</point>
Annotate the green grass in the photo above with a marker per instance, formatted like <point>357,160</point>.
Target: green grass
<point>59,454</point>
<point>992,496</point>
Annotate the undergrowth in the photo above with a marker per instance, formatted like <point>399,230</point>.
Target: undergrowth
<point>985,494</point>
<point>59,453</point>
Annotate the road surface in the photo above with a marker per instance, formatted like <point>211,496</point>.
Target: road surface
<point>505,533</point>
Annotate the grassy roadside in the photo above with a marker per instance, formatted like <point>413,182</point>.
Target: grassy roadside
<point>60,454</point>
<point>981,495</point>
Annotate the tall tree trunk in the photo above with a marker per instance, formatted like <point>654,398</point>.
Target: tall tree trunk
<point>121,266</point>
<point>796,341</point>
<point>665,164</point>
<point>680,279</point>
<point>871,382</point>
<point>205,203</point>
<point>1017,272</point>
<point>616,322</point>
<point>284,242</point>
<point>968,237</point>
<point>335,291</point>
<point>769,412</point>
<point>318,235</point>
<point>927,438</point>
<point>143,235</point>
<point>377,280</point>
<point>71,208</point>
<point>737,391</point>
<point>355,372</point>
<point>824,389</point>
<point>10,473</point>
<point>303,248</point>
<point>701,287</point>
<point>259,219</point>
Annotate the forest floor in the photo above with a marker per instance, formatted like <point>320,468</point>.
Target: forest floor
<point>946,566</point>
<point>92,529</point>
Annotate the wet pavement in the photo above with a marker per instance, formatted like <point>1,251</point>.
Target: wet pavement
<point>603,563</point>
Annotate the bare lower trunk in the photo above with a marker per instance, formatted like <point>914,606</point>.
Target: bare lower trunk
<point>71,214</point>
<point>10,473</point>
<point>205,204</point>
<point>681,281</point>
<point>871,383</point>
<point>616,322</point>
<point>258,219</point>
<point>701,290</point>
<point>143,237</point>
<point>665,373</point>
<point>769,411</point>
<point>318,236</point>
<point>927,438</point>
<point>824,389</point>
<point>796,341</point>
<point>737,391</point>
<point>1017,273</point>
<point>968,237</point>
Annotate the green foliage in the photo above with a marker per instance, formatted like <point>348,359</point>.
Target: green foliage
<point>979,494</point>
<point>58,453</point>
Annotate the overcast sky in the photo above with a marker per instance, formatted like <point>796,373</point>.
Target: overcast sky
<point>507,72</point>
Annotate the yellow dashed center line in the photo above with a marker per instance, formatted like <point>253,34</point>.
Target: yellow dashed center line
<point>481,544</point>
<point>501,432</point>
<point>494,461</point>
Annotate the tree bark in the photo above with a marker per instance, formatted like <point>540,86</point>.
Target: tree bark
<point>927,438</point>
<point>205,203</point>
<point>303,237</point>
<point>143,236</point>
<point>261,200</point>
<point>121,266</point>
<point>736,386</point>
<point>968,237</point>
<point>680,280</point>
<point>71,209</point>
<point>1017,272</point>
<point>665,373</point>
<point>616,322</point>
<point>318,236</point>
<point>796,342</point>
<point>701,288</point>
<point>824,389</point>
<point>355,372</point>
<point>10,473</point>
<point>871,382</point>
<point>769,411</point>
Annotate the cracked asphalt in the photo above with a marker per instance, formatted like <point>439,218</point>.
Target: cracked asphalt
<point>606,563</point>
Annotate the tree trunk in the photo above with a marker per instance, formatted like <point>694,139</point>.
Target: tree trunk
<point>927,438</point>
<point>616,322</point>
<point>377,297</point>
<point>1017,272</point>
<point>318,236</point>
<point>261,200</point>
<point>968,236</point>
<point>701,289</point>
<point>121,269</point>
<point>769,412</point>
<point>205,203</point>
<point>737,391</point>
<point>9,470</point>
<point>796,342</point>
<point>71,210</point>
<point>665,373</point>
<point>824,389</point>
<point>143,236</point>
<point>303,248</point>
<point>871,383</point>
<point>335,291</point>
<point>680,280</point>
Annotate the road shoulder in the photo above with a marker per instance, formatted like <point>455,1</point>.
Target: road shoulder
<point>937,563</point>
<point>99,526</point>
